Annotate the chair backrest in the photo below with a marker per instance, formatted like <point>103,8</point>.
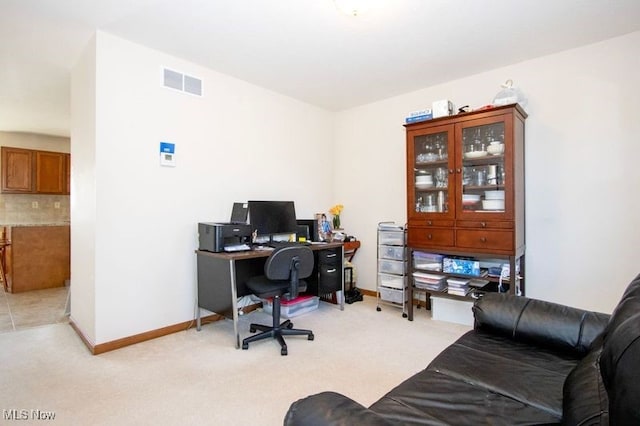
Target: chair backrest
<point>289,263</point>
<point>279,264</point>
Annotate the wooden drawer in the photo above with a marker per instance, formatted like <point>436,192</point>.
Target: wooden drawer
<point>484,224</point>
<point>486,240</point>
<point>441,223</point>
<point>330,279</point>
<point>431,237</point>
<point>328,257</point>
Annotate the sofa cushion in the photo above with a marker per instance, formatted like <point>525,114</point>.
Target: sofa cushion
<point>434,398</point>
<point>531,375</point>
<point>585,399</point>
<point>620,358</point>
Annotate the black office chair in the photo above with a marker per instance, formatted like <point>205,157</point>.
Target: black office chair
<point>283,273</point>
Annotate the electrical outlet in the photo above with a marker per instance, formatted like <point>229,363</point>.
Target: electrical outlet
<point>34,204</point>
<point>56,205</point>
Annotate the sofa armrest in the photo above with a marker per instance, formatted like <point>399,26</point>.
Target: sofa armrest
<point>331,408</point>
<point>536,321</point>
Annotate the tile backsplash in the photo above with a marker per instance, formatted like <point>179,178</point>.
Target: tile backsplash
<point>30,209</point>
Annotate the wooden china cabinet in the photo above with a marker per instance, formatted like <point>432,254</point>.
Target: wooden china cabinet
<point>465,193</point>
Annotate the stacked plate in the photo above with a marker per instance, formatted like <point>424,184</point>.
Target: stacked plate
<point>493,200</point>
<point>475,154</point>
<point>469,199</point>
<point>424,181</point>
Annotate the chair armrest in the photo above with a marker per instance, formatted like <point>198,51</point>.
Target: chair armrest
<point>539,322</point>
<point>331,408</point>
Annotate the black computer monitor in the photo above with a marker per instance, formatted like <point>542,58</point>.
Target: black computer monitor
<point>269,218</point>
<point>308,228</point>
<point>239,213</point>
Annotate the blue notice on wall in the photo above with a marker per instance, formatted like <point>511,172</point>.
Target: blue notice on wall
<point>167,154</point>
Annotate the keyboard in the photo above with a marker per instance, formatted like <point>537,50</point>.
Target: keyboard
<point>278,244</point>
<point>237,247</point>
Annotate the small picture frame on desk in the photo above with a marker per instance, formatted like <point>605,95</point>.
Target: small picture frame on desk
<point>324,227</point>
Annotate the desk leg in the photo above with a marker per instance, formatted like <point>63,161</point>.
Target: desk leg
<point>342,268</point>
<point>234,300</point>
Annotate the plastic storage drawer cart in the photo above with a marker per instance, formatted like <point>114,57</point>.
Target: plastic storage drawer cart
<point>392,266</point>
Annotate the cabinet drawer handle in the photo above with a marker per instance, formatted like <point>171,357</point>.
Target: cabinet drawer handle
<point>483,224</point>
<point>458,170</point>
<point>450,171</point>
<point>331,255</point>
<point>429,237</point>
<point>429,223</point>
<point>483,239</point>
<point>331,270</point>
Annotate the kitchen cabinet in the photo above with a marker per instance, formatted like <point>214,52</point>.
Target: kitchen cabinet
<point>26,171</point>
<point>38,257</point>
<point>17,170</point>
<point>67,163</point>
<point>465,187</point>
<point>51,174</point>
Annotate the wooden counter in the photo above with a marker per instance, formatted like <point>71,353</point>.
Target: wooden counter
<point>38,257</point>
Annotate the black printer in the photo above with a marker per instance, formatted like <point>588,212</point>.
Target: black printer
<point>216,236</point>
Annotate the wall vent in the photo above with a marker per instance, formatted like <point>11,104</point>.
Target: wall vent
<point>182,82</point>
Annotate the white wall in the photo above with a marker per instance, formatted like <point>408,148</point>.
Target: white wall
<point>83,192</point>
<point>236,143</point>
<point>582,177</point>
<point>35,141</point>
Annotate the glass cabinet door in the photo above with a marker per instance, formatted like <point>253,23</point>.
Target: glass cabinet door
<point>484,172</point>
<point>430,180</point>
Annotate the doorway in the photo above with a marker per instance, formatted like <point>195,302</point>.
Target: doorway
<point>19,311</point>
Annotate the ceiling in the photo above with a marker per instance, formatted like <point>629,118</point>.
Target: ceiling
<point>304,49</point>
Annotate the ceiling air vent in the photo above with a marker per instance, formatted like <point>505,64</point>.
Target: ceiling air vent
<point>182,82</point>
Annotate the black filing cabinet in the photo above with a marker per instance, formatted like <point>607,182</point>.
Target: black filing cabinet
<point>329,270</point>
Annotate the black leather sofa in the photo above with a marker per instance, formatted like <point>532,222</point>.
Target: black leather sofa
<point>526,362</point>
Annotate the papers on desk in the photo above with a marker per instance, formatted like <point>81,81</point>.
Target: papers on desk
<point>262,248</point>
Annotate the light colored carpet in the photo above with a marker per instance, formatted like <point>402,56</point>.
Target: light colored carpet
<point>32,308</point>
<point>195,377</point>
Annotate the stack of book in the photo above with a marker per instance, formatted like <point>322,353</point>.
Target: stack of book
<point>478,282</point>
<point>458,286</point>
<point>431,282</point>
<point>421,115</point>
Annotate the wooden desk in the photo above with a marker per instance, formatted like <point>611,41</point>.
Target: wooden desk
<point>222,278</point>
<point>350,249</point>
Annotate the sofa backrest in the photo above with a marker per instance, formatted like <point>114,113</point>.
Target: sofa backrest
<point>620,358</point>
